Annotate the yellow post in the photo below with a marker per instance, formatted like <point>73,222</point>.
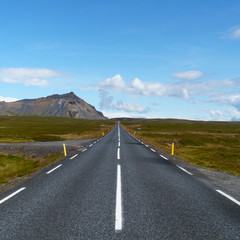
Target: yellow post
<point>103,134</point>
<point>64,148</point>
<point>172,148</point>
<point>134,133</point>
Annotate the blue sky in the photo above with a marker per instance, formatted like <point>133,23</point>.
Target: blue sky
<point>154,59</point>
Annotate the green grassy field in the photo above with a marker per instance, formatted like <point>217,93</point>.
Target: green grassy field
<point>215,145</point>
<point>16,167</point>
<point>44,129</point>
<point>41,129</point>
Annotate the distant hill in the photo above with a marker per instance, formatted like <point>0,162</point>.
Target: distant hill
<point>66,105</point>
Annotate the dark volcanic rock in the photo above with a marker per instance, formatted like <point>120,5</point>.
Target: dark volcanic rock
<point>66,105</point>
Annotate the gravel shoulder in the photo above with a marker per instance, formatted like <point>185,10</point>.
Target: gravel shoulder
<point>42,149</point>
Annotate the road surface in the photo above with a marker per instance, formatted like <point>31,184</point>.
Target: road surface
<point>117,188</point>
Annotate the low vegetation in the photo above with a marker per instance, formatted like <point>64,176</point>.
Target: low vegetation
<point>44,129</point>
<point>214,145</point>
<point>14,168</point>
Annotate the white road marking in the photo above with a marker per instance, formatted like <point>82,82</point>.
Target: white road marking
<point>163,157</point>
<point>119,144</point>
<point>95,142</point>
<point>184,170</point>
<point>118,133</point>
<point>54,169</point>
<point>118,211</point>
<point>74,156</point>
<point>84,150</point>
<point>118,154</point>
<point>146,145</point>
<point>90,145</point>
<point>11,195</point>
<point>229,197</point>
<point>152,150</point>
<point>142,143</point>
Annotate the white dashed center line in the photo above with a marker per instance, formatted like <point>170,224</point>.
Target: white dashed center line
<point>54,169</point>
<point>74,156</point>
<point>118,154</point>
<point>152,150</point>
<point>11,195</point>
<point>118,211</point>
<point>84,150</point>
<point>184,170</point>
<point>163,157</point>
<point>229,197</point>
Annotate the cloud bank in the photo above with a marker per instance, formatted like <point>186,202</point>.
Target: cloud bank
<point>28,76</point>
<point>181,89</point>
<point>190,86</point>
<point>8,99</point>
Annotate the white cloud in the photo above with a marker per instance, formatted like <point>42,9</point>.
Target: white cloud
<point>233,100</point>
<point>107,103</point>
<point>188,75</point>
<point>28,76</point>
<point>236,34</point>
<point>121,115</point>
<point>8,99</point>
<point>139,88</point>
<point>232,33</point>
<point>234,114</point>
<point>181,89</point>
<point>129,107</point>
<point>115,84</point>
<point>216,115</point>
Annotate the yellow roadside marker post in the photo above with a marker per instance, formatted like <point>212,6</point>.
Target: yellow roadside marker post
<point>103,134</point>
<point>172,148</point>
<point>134,133</point>
<point>64,148</point>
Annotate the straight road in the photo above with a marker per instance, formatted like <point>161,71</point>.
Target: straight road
<point>117,188</point>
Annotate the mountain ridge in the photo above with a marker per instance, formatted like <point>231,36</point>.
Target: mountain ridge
<point>56,105</point>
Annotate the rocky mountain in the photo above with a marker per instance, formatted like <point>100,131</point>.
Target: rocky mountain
<point>66,105</point>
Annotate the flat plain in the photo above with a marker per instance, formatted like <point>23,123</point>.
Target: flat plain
<point>214,145</point>
<point>20,129</point>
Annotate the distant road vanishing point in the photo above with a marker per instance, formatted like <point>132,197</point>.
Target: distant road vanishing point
<point>117,188</point>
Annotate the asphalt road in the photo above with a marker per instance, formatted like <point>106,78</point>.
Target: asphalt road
<point>117,188</point>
